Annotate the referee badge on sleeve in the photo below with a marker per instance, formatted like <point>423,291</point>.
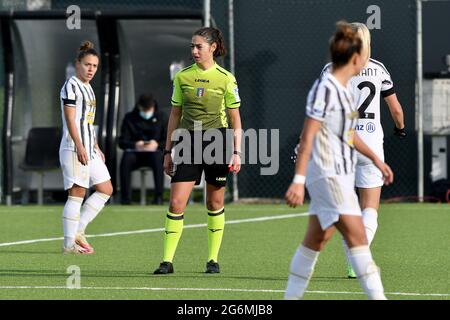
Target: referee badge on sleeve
<point>236,94</point>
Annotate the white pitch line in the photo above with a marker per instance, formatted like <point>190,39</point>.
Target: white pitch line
<point>190,226</point>
<point>219,289</point>
<point>143,288</point>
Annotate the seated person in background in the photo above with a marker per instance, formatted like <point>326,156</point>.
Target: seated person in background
<point>142,137</point>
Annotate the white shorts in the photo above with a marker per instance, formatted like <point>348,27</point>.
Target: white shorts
<point>85,176</point>
<point>368,176</point>
<point>331,197</point>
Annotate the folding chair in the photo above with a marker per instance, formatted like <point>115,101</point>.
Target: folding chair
<point>42,154</point>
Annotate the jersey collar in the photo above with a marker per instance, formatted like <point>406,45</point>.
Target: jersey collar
<point>201,71</point>
<point>333,79</point>
<point>81,82</point>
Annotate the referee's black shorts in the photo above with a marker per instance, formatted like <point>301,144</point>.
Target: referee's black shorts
<point>216,173</point>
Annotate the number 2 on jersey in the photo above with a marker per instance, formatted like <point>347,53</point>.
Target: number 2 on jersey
<point>362,108</point>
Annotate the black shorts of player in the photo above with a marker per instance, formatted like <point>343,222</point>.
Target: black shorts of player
<point>216,173</point>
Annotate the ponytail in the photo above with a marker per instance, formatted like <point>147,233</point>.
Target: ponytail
<point>213,35</point>
<point>344,43</point>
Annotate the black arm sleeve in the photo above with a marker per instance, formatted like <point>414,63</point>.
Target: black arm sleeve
<point>387,93</point>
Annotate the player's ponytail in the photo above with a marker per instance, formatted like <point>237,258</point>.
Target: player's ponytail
<point>85,49</point>
<point>364,34</point>
<point>344,44</point>
<point>213,35</point>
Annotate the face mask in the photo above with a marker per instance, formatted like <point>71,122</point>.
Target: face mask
<point>146,115</point>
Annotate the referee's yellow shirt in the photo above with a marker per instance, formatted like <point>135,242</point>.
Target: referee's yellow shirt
<point>203,96</point>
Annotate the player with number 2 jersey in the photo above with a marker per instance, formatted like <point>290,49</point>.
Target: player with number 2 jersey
<point>372,83</point>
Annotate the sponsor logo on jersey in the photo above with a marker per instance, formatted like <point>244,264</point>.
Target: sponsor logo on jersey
<point>370,127</point>
<point>221,178</point>
<point>202,80</point>
<point>200,92</point>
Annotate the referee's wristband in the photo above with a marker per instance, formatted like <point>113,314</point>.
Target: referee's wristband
<point>167,152</point>
<point>237,152</point>
<point>298,178</point>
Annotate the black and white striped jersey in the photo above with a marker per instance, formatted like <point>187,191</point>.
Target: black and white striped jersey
<point>372,83</point>
<point>333,151</point>
<point>76,94</point>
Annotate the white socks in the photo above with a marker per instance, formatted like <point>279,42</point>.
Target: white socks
<point>370,221</point>
<point>301,270</point>
<point>70,218</point>
<point>93,205</point>
<point>370,217</point>
<point>367,272</point>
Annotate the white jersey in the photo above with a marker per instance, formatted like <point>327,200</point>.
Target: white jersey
<point>333,151</point>
<point>372,83</point>
<point>75,93</point>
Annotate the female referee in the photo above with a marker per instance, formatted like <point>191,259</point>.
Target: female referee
<point>82,161</point>
<point>327,158</point>
<point>202,93</point>
<point>374,80</point>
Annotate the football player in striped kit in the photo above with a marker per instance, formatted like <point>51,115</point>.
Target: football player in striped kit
<point>82,161</point>
<point>368,86</point>
<point>326,163</point>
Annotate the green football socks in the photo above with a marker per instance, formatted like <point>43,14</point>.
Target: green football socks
<point>216,224</point>
<point>173,230</point>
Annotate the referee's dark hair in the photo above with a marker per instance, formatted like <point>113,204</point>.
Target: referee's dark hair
<point>344,44</point>
<point>85,49</point>
<point>212,35</point>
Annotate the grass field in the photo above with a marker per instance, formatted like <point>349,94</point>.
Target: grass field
<point>411,247</point>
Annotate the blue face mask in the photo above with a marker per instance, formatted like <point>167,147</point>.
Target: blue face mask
<point>146,115</point>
